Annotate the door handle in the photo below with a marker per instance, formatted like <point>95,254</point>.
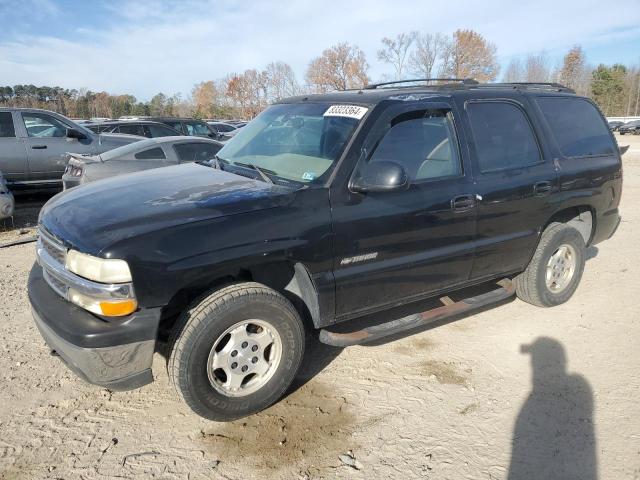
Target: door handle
<point>542,188</point>
<point>38,147</point>
<point>462,203</point>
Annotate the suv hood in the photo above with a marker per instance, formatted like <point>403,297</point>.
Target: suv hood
<point>97,215</point>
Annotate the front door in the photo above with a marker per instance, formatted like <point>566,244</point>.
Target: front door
<point>391,247</point>
<point>47,145</point>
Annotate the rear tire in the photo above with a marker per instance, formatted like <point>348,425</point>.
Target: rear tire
<point>556,268</point>
<point>235,351</point>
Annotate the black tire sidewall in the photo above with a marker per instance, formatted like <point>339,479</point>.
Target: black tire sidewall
<point>212,404</point>
<point>571,237</point>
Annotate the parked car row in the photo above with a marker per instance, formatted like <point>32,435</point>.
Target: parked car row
<point>625,127</point>
<point>36,146</point>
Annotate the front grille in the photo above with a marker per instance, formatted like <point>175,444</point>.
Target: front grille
<point>57,285</point>
<point>52,246</point>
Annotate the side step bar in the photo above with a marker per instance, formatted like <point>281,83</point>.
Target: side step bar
<point>449,309</point>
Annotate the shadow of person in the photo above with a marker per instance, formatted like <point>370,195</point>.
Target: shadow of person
<point>554,435</point>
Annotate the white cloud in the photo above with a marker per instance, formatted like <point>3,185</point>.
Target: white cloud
<point>155,45</point>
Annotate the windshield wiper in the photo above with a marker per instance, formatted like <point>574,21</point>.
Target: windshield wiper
<point>260,171</point>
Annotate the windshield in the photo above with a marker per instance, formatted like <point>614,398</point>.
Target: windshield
<point>299,142</point>
<point>127,149</point>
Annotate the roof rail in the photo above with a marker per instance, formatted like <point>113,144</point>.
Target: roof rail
<point>526,85</point>
<point>464,81</point>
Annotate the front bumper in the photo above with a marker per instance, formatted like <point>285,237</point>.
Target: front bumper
<point>115,354</point>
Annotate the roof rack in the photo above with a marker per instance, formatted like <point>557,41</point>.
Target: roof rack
<point>464,81</point>
<point>529,85</point>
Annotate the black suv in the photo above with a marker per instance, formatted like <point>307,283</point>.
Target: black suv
<point>329,208</point>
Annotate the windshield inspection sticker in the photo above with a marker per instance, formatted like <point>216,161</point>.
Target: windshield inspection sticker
<point>350,111</point>
<point>308,176</point>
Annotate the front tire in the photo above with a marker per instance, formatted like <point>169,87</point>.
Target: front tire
<point>236,351</point>
<point>556,268</point>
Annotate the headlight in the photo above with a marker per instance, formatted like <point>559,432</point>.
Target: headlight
<point>103,270</point>
<point>104,307</point>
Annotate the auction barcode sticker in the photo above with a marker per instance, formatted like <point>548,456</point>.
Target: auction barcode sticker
<point>350,111</point>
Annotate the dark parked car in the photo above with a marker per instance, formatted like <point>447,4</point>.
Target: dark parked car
<point>615,124</point>
<point>143,155</point>
<point>632,127</point>
<point>187,126</point>
<point>34,146</point>
<point>140,128</point>
<point>326,208</point>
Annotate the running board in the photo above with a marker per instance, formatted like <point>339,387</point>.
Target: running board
<point>448,309</point>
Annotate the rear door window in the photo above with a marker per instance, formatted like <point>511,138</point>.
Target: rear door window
<point>502,135</point>
<point>151,154</point>
<point>6,125</point>
<point>132,129</point>
<point>196,151</point>
<point>160,131</point>
<point>577,126</point>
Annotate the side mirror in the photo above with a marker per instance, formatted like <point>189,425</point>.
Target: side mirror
<point>380,176</point>
<point>73,133</point>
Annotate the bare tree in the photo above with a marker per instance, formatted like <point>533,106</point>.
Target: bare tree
<point>281,81</point>
<point>470,55</point>
<point>338,68</point>
<point>537,68</point>
<point>572,71</point>
<point>396,50</point>
<point>514,72</point>
<point>429,50</point>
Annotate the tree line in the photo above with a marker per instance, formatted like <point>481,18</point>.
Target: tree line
<point>463,54</point>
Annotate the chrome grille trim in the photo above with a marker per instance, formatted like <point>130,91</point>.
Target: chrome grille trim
<point>52,245</point>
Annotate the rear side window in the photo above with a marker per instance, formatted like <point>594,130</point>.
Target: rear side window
<point>160,131</point>
<point>196,152</point>
<point>6,125</point>
<point>132,130</point>
<point>151,154</point>
<point>503,136</point>
<point>423,142</point>
<point>577,126</point>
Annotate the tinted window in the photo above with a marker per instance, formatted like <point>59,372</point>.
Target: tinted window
<point>160,131</point>
<point>151,154</point>
<point>196,128</point>
<point>502,135</point>
<point>44,126</point>
<point>196,152</point>
<point>6,125</point>
<point>176,125</point>
<point>131,129</point>
<point>577,126</point>
<point>221,127</point>
<point>424,143</point>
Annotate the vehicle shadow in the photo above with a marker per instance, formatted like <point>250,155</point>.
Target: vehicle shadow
<point>591,252</point>
<point>27,208</point>
<point>554,434</point>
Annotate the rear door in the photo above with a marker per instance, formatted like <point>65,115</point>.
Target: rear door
<point>391,247</point>
<point>13,154</point>
<point>47,145</point>
<point>516,179</point>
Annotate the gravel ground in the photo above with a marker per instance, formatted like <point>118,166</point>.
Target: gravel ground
<point>512,392</point>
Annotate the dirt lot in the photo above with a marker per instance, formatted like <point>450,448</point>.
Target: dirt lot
<point>461,401</point>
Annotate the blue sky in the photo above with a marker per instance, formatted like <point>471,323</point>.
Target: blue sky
<point>146,46</point>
